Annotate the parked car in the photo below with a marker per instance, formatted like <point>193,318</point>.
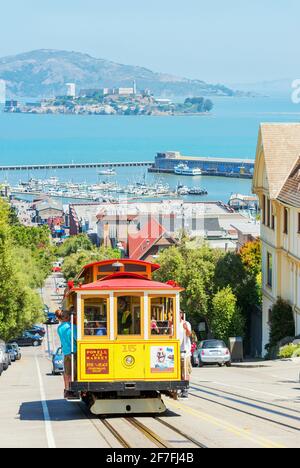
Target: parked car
<point>11,352</point>
<point>2,356</point>
<point>27,339</point>
<point>36,330</point>
<point>17,350</point>
<point>51,319</point>
<point>212,352</point>
<point>7,359</point>
<point>58,362</point>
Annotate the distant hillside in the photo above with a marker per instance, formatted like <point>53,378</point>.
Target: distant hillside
<point>275,88</point>
<point>43,73</point>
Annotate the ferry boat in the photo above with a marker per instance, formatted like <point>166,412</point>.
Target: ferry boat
<point>185,170</point>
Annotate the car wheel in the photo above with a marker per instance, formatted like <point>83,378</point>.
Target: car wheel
<point>228,364</point>
<point>36,343</point>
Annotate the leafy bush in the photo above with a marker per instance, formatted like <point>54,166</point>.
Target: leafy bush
<point>297,352</point>
<point>282,322</point>
<point>288,351</point>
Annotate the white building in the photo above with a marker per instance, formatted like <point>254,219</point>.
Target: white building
<point>71,89</point>
<point>2,92</point>
<point>277,184</point>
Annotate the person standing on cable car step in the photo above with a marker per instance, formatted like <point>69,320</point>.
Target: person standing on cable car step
<point>185,333</point>
<point>65,335</point>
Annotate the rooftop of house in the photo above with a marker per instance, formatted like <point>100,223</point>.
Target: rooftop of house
<point>281,147</point>
<point>290,192</point>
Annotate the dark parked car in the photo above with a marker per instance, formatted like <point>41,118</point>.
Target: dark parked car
<point>51,319</point>
<point>36,330</point>
<point>27,339</point>
<point>58,362</point>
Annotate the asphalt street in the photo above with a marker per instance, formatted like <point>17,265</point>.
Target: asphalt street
<point>255,407</point>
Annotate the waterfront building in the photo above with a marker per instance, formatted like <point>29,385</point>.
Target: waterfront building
<point>241,168</point>
<point>277,184</point>
<point>239,201</point>
<point>47,209</point>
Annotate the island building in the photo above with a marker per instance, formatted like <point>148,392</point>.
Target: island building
<point>2,92</point>
<point>71,90</point>
<point>241,168</point>
<point>122,91</point>
<point>277,184</point>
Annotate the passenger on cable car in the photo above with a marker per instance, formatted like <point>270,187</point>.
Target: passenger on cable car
<point>100,329</point>
<point>125,316</point>
<point>154,327</point>
<point>65,335</point>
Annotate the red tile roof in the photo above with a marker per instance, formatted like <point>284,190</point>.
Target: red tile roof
<point>139,244</point>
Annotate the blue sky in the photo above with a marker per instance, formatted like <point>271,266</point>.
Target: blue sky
<point>218,41</point>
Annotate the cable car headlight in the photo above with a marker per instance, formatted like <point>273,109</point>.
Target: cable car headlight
<point>129,361</point>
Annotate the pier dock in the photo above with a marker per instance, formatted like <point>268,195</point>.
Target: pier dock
<point>40,167</point>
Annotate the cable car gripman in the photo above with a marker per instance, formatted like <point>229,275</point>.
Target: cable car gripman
<point>128,347</point>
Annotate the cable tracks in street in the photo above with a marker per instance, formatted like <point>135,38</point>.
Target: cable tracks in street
<point>212,393</point>
<point>116,427</point>
<point>150,434</point>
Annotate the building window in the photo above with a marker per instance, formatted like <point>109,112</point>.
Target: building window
<point>264,210</point>
<point>270,316</point>
<point>268,212</point>
<point>298,223</point>
<point>285,221</point>
<point>269,270</point>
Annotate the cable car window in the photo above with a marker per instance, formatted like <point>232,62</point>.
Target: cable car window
<point>95,317</point>
<point>162,316</point>
<point>129,315</point>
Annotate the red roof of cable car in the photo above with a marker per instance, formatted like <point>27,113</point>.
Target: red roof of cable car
<point>127,281</point>
<point>125,261</point>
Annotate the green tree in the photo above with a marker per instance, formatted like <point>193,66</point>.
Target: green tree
<point>250,255</point>
<point>208,105</point>
<point>227,319</point>
<point>282,322</point>
<point>75,244</point>
<point>74,263</point>
<point>20,306</point>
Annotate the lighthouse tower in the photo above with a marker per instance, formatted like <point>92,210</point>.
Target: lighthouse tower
<point>134,88</point>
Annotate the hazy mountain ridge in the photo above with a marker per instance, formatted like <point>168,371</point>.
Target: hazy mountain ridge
<point>44,73</point>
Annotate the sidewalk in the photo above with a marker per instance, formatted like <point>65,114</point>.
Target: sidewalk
<point>258,363</point>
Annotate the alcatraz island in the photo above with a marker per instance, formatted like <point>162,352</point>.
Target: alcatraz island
<point>111,101</point>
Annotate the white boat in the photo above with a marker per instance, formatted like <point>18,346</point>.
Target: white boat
<point>185,170</point>
<point>107,172</point>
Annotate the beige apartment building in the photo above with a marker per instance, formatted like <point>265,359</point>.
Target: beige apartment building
<point>277,184</point>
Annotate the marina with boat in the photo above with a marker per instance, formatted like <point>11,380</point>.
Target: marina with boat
<point>105,190</point>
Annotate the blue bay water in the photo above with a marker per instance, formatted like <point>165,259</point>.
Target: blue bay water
<point>231,131</point>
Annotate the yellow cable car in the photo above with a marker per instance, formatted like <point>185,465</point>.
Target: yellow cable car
<point>128,328</point>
